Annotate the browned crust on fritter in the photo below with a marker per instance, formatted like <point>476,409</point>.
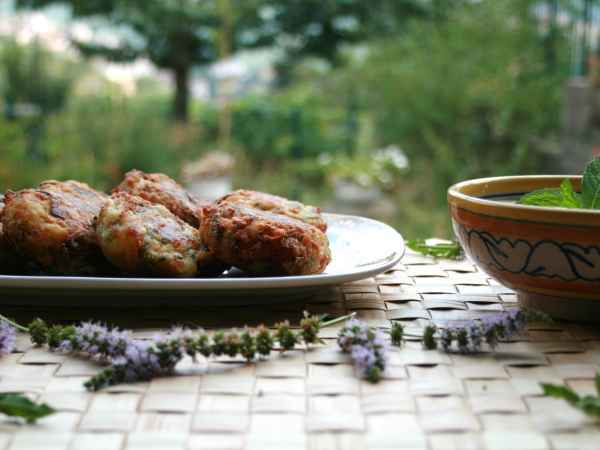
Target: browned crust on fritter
<point>160,188</point>
<point>263,243</point>
<point>8,259</point>
<point>145,238</point>
<point>277,205</point>
<point>52,226</point>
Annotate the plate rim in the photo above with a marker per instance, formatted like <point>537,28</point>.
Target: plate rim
<point>54,282</point>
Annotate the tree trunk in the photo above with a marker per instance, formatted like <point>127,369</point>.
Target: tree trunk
<point>182,93</point>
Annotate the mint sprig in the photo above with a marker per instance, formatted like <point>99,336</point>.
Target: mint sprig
<point>590,185</point>
<point>589,404</point>
<point>17,405</point>
<point>565,196</point>
<point>449,250</point>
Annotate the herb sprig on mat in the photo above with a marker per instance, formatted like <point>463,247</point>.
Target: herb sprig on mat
<point>448,250</point>
<point>130,359</point>
<point>468,337</point>
<point>589,404</point>
<point>17,405</point>
<point>565,196</point>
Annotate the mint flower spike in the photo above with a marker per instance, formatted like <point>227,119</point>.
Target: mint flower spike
<point>367,346</point>
<point>311,325</point>
<point>397,334</point>
<point>285,336</point>
<point>264,341</point>
<point>38,332</point>
<point>8,338</point>
<point>470,337</point>
<point>429,341</point>
<point>138,360</point>
<point>96,340</point>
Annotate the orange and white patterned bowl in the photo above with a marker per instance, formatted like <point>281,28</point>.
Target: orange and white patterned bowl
<point>549,256</point>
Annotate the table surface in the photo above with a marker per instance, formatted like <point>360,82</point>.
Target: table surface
<point>312,399</point>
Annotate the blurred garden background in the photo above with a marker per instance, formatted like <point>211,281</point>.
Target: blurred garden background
<point>371,106</point>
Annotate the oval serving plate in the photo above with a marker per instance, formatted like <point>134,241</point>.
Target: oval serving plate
<point>360,248</point>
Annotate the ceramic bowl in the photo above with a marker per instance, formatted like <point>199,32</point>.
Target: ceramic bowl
<point>549,256</point>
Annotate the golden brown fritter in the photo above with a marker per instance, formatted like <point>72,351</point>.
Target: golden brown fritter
<point>143,238</point>
<point>263,243</point>
<point>163,190</point>
<point>4,252</point>
<point>276,205</point>
<point>52,226</point>
<point>10,263</point>
<point>160,189</point>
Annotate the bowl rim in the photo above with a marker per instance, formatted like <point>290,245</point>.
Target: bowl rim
<point>556,215</point>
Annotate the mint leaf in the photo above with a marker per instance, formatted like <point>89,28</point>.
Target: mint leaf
<point>543,197</point>
<point>450,250</point>
<point>16,405</point>
<point>570,198</point>
<point>590,185</point>
<point>557,391</point>
<point>563,197</point>
<point>589,405</point>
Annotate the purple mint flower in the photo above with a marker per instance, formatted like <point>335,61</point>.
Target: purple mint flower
<point>97,340</point>
<point>368,348</point>
<point>462,340</point>
<point>142,361</point>
<point>492,328</point>
<point>364,358</point>
<point>475,337</point>
<point>446,336</point>
<point>8,337</point>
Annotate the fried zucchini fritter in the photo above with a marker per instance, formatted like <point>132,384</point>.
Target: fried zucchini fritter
<point>160,189</point>
<point>51,226</point>
<point>277,205</point>
<point>10,262</point>
<point>163,190</point>
<point>143,238</point>
<point>262,243</point>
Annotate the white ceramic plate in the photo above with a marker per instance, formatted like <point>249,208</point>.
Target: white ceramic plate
<point>360,248</point>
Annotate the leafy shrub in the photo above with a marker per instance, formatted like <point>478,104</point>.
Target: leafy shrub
<point>294,124</point>
<point>469,97</point>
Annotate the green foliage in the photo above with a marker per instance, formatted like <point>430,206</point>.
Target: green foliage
<point>96,139</point>
<point>33,85</point>
<point>17,405</point>
<point>317,28</point>
<point>589,404</point>
<point>173,35</point>
<point>295,125</point>
<point>462,99</point>
<point>31,75</point>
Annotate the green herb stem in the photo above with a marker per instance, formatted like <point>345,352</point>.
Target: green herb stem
<point>337,320</point>
<point>14,324</point>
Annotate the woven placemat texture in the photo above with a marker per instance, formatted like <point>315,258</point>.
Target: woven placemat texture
<point>312,399</point>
